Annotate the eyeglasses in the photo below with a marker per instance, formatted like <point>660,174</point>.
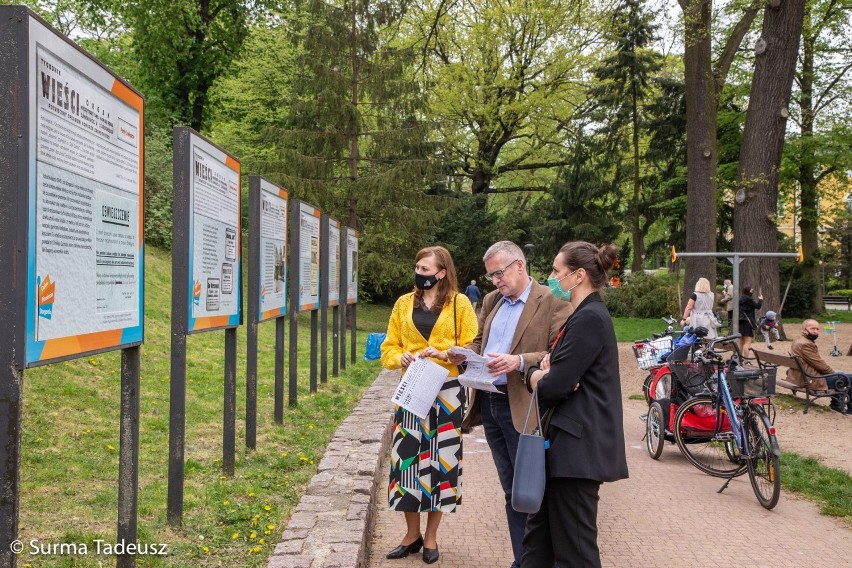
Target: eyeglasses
<point>491,276</point>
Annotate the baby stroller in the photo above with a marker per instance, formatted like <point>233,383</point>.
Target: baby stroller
<point>688,379</point>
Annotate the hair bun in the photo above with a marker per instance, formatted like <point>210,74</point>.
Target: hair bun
<point>606,256</point>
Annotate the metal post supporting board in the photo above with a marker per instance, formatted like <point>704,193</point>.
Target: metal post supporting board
<point>344,290</point>
<point>293,287</point>
<point>128,453</point>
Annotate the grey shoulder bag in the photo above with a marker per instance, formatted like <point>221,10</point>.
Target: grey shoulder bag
<point>530,476</point>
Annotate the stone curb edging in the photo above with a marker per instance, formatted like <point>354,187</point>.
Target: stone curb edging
<point>330,527</point>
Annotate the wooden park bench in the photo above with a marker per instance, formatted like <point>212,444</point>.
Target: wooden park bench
<point>765,359</point>
<point>837,300</point>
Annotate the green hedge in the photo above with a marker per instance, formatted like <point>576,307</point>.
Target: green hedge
<point>643,296</point>
<point>840,292</point>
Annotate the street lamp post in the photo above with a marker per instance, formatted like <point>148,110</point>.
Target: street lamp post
<point>528,248</point>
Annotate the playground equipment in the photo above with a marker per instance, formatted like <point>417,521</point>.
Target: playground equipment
<point>830,330</point>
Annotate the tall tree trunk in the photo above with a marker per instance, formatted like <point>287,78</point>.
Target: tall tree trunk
<point>755,210</point>
<point>809,216</point>
<point>635,221</point>
<point>701,103</point>
<point>354,152</point>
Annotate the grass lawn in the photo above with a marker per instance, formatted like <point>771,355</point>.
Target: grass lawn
<point>69,465</point>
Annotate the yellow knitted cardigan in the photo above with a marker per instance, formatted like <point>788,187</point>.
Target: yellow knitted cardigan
<point>403,335</point>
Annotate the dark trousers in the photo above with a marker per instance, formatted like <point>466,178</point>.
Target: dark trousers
<point>565,529</point>
<point>843,382</point>
<point>503,441</point>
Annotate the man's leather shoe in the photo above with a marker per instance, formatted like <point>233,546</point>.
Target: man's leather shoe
<point>430,555</point>
<point>404,550</point>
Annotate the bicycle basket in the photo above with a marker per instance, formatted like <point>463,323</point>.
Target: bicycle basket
<point>691,377</point>
<point>649,354</point>
<point>751,382</point>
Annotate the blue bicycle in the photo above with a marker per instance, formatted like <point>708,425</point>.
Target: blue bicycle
<point>728,431</point>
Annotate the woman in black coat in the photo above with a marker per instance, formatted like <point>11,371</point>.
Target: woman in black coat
<point>748,318</point>
<point>580,381</point>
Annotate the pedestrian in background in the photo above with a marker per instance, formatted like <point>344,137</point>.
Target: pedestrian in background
<point>425,473</point>
<point>473,293</point>
<point>748,318</point>
<point>699,308</point>
<point>727,302</point>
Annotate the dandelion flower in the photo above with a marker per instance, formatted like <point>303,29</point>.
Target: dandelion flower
<point>235,536</point>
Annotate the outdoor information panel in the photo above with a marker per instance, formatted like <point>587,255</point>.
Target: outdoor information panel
<point>85,261</point>
<point>333,262</point>
<point>352,266</point>
<point>309,253</point>
<point>273,251</point>
<point>214,237</point>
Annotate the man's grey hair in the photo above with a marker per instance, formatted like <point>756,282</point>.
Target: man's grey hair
<point>809,321</point>
<point>509,250</point>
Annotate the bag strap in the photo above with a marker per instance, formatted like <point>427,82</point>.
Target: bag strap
<point>534,403</point>
<point>455,320</point>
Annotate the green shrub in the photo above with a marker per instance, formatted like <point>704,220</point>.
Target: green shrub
<point>840,292</point>
<point>643,296</point>
<point>798,303</point>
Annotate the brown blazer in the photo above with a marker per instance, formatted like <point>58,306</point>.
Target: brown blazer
<point>537,329</point>
<point>813,363</point>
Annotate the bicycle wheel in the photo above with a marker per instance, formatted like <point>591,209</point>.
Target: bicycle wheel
<point>655,430</point>
<point>764,465</point>
<point>706,449</point>
<point>646,388</point>
<point>661,385</point>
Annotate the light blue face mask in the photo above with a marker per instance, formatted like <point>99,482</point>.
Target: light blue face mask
<point>557,290</point>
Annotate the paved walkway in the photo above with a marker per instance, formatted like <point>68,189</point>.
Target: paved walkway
<point>667,514</point>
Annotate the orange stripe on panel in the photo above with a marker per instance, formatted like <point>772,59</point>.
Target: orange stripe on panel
<point>64,346</point>
<point>128,95</point>
<point>232,163</point>
<point>207,323</point>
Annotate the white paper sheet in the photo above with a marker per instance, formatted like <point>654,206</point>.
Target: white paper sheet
<point>420,386</point>
<point>476,375</point>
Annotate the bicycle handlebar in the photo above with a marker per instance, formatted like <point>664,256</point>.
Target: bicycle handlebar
<point>708,355</point>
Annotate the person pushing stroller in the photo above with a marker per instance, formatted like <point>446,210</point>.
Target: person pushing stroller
<point>768,325</point>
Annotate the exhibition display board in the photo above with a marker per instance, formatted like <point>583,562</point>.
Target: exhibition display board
<point>272,266</point>
<point>71,238</point>
<point>85,261</point>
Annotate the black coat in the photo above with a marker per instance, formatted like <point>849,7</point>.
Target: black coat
<point>586,428</point>
<point>748,305</point>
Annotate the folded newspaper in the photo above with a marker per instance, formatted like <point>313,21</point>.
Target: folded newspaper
<point>419,387</point>
<point>476,375</point>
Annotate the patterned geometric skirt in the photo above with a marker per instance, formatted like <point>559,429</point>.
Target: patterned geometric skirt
<point>426,455</point>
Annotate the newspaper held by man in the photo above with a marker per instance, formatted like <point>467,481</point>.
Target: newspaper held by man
<point>476,374</point>
<point>419,387</point>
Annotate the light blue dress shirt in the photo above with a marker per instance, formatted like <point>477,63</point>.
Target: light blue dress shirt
<point>503,326</point>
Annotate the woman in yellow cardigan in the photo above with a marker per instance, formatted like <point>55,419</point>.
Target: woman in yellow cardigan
<point>426,455</point>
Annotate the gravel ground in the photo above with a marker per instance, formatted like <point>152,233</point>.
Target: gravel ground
<point>820,433</point>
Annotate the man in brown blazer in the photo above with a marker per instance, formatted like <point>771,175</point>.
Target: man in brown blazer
<point>806,349</point>
<point>518,322</point>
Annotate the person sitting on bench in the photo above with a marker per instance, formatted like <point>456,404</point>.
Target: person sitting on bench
<point>806,349</point>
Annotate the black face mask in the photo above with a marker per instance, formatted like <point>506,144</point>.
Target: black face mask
<point>425,281</point>
<point>812,336</point>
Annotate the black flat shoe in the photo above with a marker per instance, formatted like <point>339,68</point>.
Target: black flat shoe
<point>404,550</point>
<point>430,555</point>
